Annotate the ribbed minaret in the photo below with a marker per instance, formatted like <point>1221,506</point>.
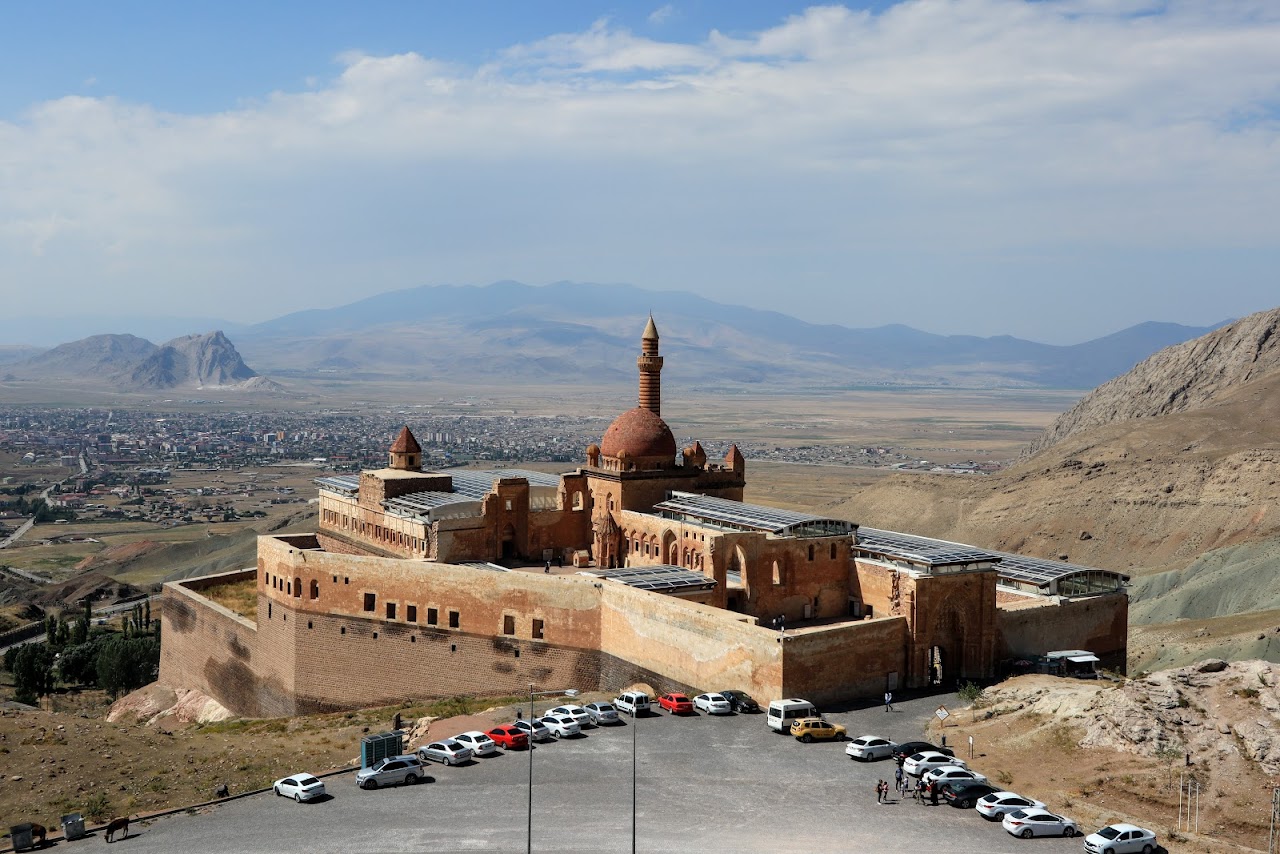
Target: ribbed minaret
<point>650,365</point>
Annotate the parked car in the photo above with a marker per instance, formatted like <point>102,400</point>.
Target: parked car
<point>868,747</point>
<point>1037,822</point>
<point>740,701</point>
<point>1120,839</point>
<point>448,752</point>
<point>947,775</point>
<point>562,726</point>
<point>602,713</point>
<point>479,742</point>
<point>909,748</point>
<point>917,764</point>
<point>965,795</point>
<point>811,729</point>
<point>997,805</point>
<point>300,787</point>
<point>712,704</point>
<point>580,715</point>
<point>390,772</point>
<point>676,704</point>
<point>509,736</point>
<point>536,728</point>
<point>633,703</point>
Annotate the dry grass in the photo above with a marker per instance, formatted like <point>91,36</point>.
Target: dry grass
<point>240,597</point>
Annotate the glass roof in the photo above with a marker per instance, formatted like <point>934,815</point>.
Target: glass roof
<point>469,485</point>
<point>348,484</point>
<point>921,549</point>
<point>754,517</point>
<point>658,577</point>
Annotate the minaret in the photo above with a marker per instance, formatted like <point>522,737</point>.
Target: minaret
<point>650,365</point>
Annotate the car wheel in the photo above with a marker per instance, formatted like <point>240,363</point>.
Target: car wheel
<point>297,798</point>
<point>410,779</point>
<point>1108,851</point>
<point>1147,849</point>
<point>1026,833</point>
<point>277,790</point>
<point>806,738</point>
<point>964,804</point>
<point>371,783</point>
<point>1069,832</point>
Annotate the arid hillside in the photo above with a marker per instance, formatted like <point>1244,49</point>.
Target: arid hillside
<point>1140,496</point>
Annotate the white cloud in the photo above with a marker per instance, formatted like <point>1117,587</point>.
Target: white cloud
<point>661,15</point>
<point>935,126</point>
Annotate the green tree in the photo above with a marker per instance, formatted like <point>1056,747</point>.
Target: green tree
<point>32,667</point>
<point>124,664</point>
<point>78,664</point>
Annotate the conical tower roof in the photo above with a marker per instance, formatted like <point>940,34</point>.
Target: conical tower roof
<point>650,331</point>
<point>405,443</point>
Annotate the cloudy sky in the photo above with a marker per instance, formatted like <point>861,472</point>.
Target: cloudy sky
<point>1054,170</point>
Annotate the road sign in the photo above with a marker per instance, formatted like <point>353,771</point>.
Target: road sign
<point>942,713</point>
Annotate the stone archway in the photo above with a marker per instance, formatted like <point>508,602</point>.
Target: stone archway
<point>670,548</point>
<point>509,542</point>
<point>944,661</point>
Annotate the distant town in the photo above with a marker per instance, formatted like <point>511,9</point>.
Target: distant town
<point>120,463</point>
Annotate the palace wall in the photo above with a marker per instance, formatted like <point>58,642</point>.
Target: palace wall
<point>825,664</point>
<point>1099,624</point>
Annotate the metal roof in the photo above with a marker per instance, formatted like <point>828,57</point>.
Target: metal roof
<point>469,486</point>
<point>921,549</point>
<point>1043,572</point>
<point>477,483</point>
<point>348,484</point>
<point>751,517</point>
<point>660,577</point>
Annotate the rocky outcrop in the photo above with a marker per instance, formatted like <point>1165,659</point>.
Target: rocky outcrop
<point>200,360</point>
<point>1177,379</point>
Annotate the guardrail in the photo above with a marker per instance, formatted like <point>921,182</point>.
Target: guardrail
<point>21,633</point>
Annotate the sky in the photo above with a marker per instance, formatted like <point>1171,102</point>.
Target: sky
<point>1055,170</point>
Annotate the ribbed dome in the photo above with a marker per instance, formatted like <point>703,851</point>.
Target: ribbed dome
<point>640,434</point>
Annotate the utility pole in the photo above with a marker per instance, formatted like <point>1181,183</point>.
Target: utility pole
<point>1275,820</point>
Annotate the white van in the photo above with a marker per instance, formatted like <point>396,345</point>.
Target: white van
<point>783,713</point>
<point>633,703</point>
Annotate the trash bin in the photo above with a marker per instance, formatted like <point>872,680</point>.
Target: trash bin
<point>72,826</point>
<point>20,836</point>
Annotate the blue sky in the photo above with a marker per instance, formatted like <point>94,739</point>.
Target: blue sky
<point>1055,170</point>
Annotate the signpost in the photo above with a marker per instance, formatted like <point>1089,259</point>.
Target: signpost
<point>942,714</point>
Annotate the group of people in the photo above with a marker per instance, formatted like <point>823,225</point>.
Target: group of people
<point>922,792</point>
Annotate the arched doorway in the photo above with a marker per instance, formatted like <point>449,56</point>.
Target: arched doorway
<point>508,542</point>
<point>670,549</point>
<point>934,666</point>
<point>944,664</point>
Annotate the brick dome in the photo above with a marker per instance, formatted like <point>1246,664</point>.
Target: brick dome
<point>639,434</point>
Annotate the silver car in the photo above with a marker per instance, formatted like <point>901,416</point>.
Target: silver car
<point>390,772</point>
<point>712,704</point>
<point>448,752</point>
<point>562,726</point>
<point>580,715</point>
<point>537,730</point>
<point>602,713</point>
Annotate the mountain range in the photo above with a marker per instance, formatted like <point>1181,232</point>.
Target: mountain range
<point>573,333</point>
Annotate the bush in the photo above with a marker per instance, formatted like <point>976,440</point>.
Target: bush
<point>971,693</point>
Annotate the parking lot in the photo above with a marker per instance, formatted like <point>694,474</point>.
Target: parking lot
<point>719,783</point>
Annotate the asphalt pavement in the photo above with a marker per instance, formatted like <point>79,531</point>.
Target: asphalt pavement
<point>724,784</point>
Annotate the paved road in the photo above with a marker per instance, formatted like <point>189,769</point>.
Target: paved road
<point>705,783</point>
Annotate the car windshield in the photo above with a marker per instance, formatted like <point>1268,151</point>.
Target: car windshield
<point>1108,833</point>
<point>1018,814</point>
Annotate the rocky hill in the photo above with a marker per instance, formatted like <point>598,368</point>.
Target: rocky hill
<point>1178,379</point>
<point>126,362</point>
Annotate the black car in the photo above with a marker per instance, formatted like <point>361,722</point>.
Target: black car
<point>740,701</point>
<point>965,796</point>
<point>911,748</point>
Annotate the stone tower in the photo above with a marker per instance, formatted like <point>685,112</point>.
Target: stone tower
<point>650,365</point>
<point>406,453</point>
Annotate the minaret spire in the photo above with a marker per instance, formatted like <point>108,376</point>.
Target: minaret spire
<point>650,365</point>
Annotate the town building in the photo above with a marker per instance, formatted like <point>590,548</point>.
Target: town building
<point>643,565</point>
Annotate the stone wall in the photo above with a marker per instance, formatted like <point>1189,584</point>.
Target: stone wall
<point>1099,624</point>
<point>830,663</point>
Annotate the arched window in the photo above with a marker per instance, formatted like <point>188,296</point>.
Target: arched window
<point>577,500</point>
<point>297,588</point>
<point>777,573</point>
<point>811,552</point>
<point>315,589</point>
<point>833,551</point>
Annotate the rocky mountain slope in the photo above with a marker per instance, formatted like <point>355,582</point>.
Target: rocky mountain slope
<point>1178,379</point>
<point>127,362</point>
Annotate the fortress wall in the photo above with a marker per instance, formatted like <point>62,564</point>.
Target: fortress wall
<point>698,646</point>
<point>844,661</point>
<point>219,653</point>
<point>875,582</point>
<point>1099,624</point>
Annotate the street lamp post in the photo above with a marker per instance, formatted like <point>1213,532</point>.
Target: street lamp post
<point>567,692</point>
<point>634,730</point>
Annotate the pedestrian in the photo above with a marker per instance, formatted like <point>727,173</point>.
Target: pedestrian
<point>547,568</point>
<point>902,758</point>
<point>560,561</point>
<point>903,785</point>
<point>897,776</point>
<point>888,701</point>
<point>920,791</point>
<point>933,794</point>
<point>879,791</point>
<point>782,622</point>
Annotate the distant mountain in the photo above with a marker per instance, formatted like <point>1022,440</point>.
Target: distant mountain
<point>126,362</point>
<point>563,331</point>
<point>45,332</point>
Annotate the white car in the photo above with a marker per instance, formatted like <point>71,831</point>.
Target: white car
<point>1037,822</point>
<point>480,743</point>
<point>948,774</point>
<point>602,713</point>
<point>868,747</point>
<point>536,730</point>
<point>1120,839</point>
<point>391,771</point>
<point>580,715</point>
<point>448,752</point>
<point>561,726</point>
<point>918,763</point>
<point>300,787</point>
<point>712,704</point>
<point>997,805</point>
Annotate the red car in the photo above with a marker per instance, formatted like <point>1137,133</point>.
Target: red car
<point>509,736</point>
<point>676,704</point>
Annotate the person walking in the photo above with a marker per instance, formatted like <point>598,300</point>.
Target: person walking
<point>888,701</point>
<point>933,794</point>
<point>920,791</point>
<point>897,777</point>
<point>903,785</point>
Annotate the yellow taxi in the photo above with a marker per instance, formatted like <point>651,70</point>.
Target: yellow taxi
<point>810,729</point>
